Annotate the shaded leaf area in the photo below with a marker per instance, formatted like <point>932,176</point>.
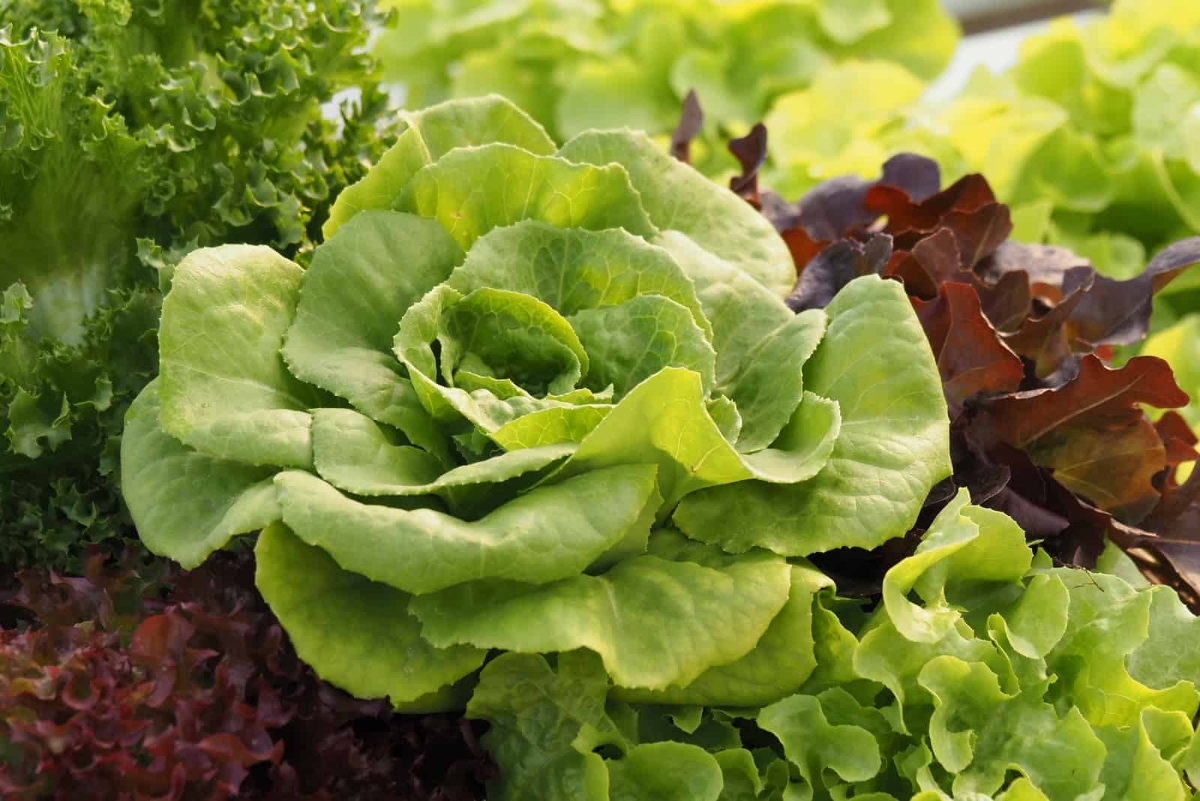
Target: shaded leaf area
<point>1044,426</point>
<point>137,680</point>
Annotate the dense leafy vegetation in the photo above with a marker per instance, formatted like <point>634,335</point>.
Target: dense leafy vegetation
<point>129,135</point>
<point>550,402</point>
<point>555,435</point>
<point>580,64</point>
<point>513,403</point>
<point>984,673</point>
<point>1092,138</point>
<point>181,685</point>
<point>1043,427</point>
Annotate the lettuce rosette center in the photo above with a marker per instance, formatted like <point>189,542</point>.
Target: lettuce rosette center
<point>534,399</point>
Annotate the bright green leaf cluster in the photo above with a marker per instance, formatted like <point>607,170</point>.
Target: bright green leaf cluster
<point>986,673</point>
<point>582,64</point>
<point>540,400</point>
<point>129,134</point>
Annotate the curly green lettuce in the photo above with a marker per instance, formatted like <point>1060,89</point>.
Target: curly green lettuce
<point>985,673</point>
<point>581,64</point>
<point>128,136</point>
<point>535,399</point>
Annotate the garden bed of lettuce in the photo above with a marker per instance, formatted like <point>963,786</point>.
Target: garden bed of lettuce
<point>429,455</point>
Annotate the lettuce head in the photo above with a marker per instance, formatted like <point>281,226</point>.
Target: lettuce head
<point>536,399</point>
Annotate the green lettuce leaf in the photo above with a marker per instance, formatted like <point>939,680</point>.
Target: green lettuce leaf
<point>470,425</point>
<point>893,440</point>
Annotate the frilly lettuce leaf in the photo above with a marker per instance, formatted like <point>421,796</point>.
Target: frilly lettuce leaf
<point>129,135</point>
<point>982,717</point>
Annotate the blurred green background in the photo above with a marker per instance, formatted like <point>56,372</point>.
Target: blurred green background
<point>1087,124</point>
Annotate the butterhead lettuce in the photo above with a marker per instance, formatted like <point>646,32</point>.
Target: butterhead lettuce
<point>535,399</point>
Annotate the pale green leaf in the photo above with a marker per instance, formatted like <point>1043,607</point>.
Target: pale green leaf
<point>742,311</point>
<point>186,504</point>
<point>574,269</point>
<point>1108,621</point>
<point>631,342</point>
<point>357,456</point>
<point>564,424</point>
<point>1172,648</point>
<point>771,382</point>
<point>597,93</point>
<point>665,771</point>
<point>1136,769</point>
<point>779,664</point>
<point>655,622</point>
<point>813,745</point>
<point>498,333</point>
<point>742,781</point>
<point>354,294</point>
<point>677,197</point>
<point>549,533</point>
<point>545,721</point>
<point>893,445</point>
<point>354,632</point>
<point>847,21</point>
<point>430,134</point>
<point>472,190</point>
<point>664,421</point>
<point>224,388</point>
<point>972,734</point>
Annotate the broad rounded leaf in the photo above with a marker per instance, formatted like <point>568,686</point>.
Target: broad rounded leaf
<point>893,445</point>
<point>224,388</point>
<point>358,287</point>
<point>186,504</point>
<point>354,632</point>
<point>429,134</point>
<point>717,614</point>
<point>779,664</point>
<point>549,533</point>
<point>665,772</point>
<point>678,198</point>
<point>472,190</point>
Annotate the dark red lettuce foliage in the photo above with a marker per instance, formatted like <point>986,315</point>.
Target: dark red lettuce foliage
<point>184,687</point>
<point>1044,426</point>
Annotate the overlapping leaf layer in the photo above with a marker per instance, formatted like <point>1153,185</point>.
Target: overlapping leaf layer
<point>985,673</point>
<point>1045,428</point>
<point>540,432</point>
<point>539,400</point>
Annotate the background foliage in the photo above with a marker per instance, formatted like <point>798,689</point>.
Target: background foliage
<point>579,64</point>
<point>130,134</point>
